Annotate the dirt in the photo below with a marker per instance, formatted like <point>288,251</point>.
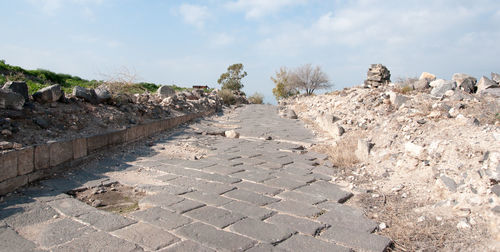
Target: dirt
<point>429,175</point>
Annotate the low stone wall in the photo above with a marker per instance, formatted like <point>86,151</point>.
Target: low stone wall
<point>26,165</point>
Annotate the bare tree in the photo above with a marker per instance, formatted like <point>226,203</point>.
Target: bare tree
<point>309,79</point>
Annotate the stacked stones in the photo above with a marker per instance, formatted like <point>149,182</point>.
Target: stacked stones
<point>377,75</point>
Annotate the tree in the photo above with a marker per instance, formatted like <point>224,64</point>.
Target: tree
<point>232,78</point>
<point>283,88</point>
<point>309,79</point>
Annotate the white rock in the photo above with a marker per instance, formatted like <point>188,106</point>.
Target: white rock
<point>413,150</point>
<point>382,226</point>
<point>463,225</point>
<point>397,99</point>
<point>232,134</point>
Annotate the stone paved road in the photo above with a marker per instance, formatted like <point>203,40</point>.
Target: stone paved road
<point>249,194</point>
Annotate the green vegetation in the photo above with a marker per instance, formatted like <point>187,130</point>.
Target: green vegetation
<point>227,97</point>
<point>232,78</point>
<point>283,87</point>
<point>256,98</point>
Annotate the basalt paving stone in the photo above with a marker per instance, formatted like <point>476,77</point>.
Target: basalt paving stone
<point>302,197</point>
<point>357,240</point>
<point>251,161</point>
<point>224,170</point>
<point>11,241</point>
<point>295,208</point>
<point>214,177</point>
<point>204,186</point>
<point>285,183</point>
<point>303,225</point>
<point>60,184</point>
<point>167,177</point>
<point>298,171</point>
<point>348,217</point>
<point>161,217</point>
<point>185,246</point>
<point>32,214</point>
<point>218,217</point>
<point>251,197</point>
<point>146,235</point>
<point>105,221</point>
<point>160,199</point>
<point>331,191</point>
<point>249,210</point>
<point>214,238</point>
<point>261,231</point>
<point>55,232</point>
<point>259,188</point>
<point>307,178</point>
<point>258,175</point>
<point>301,242</point>
<point>169,189</point>
<point>43,194</point>
<point>98,241</point>
<point>185,206</point>
<point>207,198</point>
<point>264,247</point>
<point>71,207</point>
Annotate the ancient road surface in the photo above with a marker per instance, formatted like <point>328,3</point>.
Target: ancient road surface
<point>248,194</point>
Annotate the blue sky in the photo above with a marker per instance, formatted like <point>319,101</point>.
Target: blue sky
<point>192,42</point>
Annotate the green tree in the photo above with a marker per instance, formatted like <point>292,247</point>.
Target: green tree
<point>283,89</point>
<point>232,78</point>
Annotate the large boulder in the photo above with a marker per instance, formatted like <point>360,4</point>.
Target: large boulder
<point>88,94</point>
<point>495,77</point>
<point>485,83</point>
<point>377,75</point>
<point>103,94</point>
<point>427,76</point>
<point>465,82</point>
<point>11,100</point>
<point>397,99</point>
<point>48,94</point>
<point>165,91</point>
<point>440,86</point>
<point>19,87</point>
<point>421,84</point>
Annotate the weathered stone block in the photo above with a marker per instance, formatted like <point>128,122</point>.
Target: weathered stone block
<point>97,142</point>
<point>8,165</point>
<point>42,157</point>
<point>11,184</point>
<point>118,137</point>
<point>79,148</point>
<point>60,152</point>
<point>25,161</point>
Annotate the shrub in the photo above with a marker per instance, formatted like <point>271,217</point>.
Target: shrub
<point>227,97</point>
<point>256,98</point>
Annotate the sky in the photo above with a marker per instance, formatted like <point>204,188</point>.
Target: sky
<point>192,42</point>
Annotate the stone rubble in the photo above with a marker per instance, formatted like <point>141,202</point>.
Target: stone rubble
<point>377,75</point>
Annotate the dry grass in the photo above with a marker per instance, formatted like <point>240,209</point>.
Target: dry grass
<point>343,154</point>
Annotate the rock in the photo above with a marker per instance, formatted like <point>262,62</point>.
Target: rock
<point>19,87</point>
<point>427,76</point>
<point>44,124</point>
<point>495,77</point>
<point>103,94</point>
<point>363,150</point>
<point>377,75</point>
<point>382,226</point>
<point>449,183</point>
<point>414,150</point>
<point>496,190</point>
<point>232,134</point>
<point>291,114</point>
<point>11,100</point>
<point>17,146</point>
<point>440,86</point>
<point>397,99</point>
<point>449,93</point>
<point>491,91</point>
<point>327,123</point>
<point>88,94</point>
<point>465,82</point>
<point>485,83</point>
<point>4,145</point>
<point>6,132</point>
<point>48,94</point>
<point>421,84</point>
<point>165,91</point>
<point>463,225</point>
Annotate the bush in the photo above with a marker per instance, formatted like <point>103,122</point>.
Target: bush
<point>227,97</point>
<point>256,98</point>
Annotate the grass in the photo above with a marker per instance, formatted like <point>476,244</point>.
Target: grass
<point>227,97</point>
<point>256,98</point>
<point>342,154</point>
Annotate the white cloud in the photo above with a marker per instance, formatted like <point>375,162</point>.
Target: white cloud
<point>258,8</point>
<point>52,7</point>
<point>222,39</point>
<point>194,14</point>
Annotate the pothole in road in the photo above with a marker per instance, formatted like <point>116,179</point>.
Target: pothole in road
<point>116,198</point>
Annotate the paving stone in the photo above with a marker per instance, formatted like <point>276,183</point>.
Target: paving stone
<point>250,210</point>
<point>219,178</point>
<point>261,231</point>
<point>251,161</point>
<point>98,241</point>
<point>207,198</point>
<point>35,213</point>
<point>215,238</point>
<point>60,184</point>
<point>56,232</point>
<point>11,241</point>
<point>185,206</point>
<point>254,176</point>
<point>259,188</point>
<point>300,242</point>
<point>298,171</point>
<point>146,235</point>
<point>325,170</point>
<point>295,208</point>
<point>204,186</point>
<point>160,199</point>
<point>270,166</point>
<point>167,177</point>
<point>285,183</point>
<point>169,189</point>
<point>302,197</point>
<point>105,221</point>
<point>225,170</point>
<point>347,217</point>
<point>218,217</point>
<point>161,218</point>
<point>43,194</point>
<point>302,225</point>
<point>328,190</point>
<point>248,196</point>
<point>264,247</point>
<point>358,240</point>
<point>307,178</point>
<point>187,245</point>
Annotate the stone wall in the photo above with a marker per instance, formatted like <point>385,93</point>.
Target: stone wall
<point>20,167</point>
